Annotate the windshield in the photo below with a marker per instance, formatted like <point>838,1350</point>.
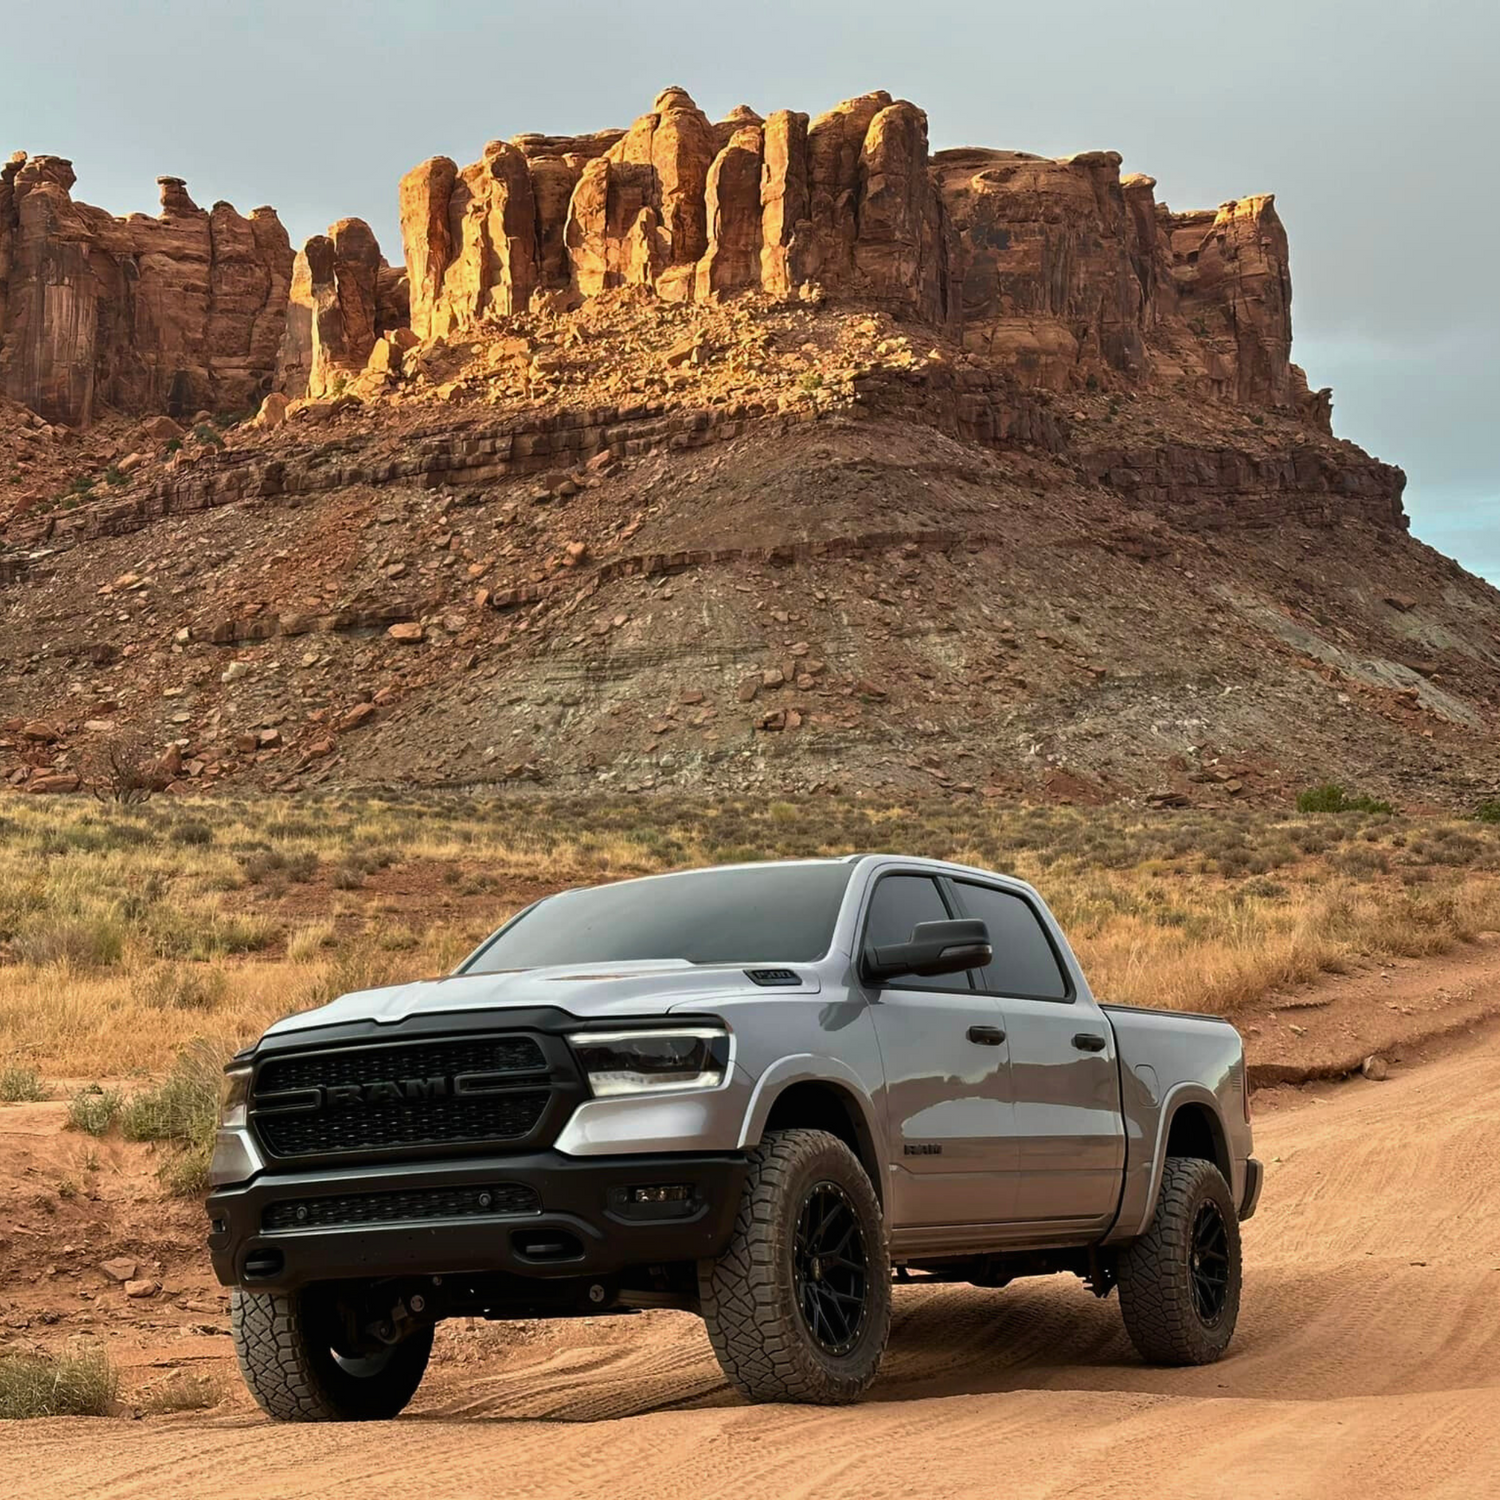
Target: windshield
<point>745,915</point>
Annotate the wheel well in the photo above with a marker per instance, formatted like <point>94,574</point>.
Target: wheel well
<point>1196,1132</point>
<point>825,1106</point>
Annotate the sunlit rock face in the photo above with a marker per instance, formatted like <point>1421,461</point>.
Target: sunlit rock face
<point>178,313</point>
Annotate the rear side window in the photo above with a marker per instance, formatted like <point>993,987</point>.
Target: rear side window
<point>899,903</point>
<point>1025,963</point>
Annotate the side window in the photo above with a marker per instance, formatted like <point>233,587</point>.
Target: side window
<point>899,903</point>
<point>1024,963</point>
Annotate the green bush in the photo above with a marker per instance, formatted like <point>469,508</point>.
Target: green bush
<point>82,1384</point>
<point>184,1107</point>
<point>1488,812</point>
<point>20,1085</point>
<point>93,1110</point>
<point>1330,797</point>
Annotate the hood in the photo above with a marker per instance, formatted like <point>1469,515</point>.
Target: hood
<point>640,988</point>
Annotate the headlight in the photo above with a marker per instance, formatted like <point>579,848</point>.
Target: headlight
<point>234,1095</point>
<point>653,1062</point>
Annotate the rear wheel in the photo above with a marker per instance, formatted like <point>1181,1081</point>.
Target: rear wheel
<point>1180,1281</point>
<point>798,1307</point>
<point>286,1344</point>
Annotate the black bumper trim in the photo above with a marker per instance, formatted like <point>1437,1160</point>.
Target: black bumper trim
<point>1254,1176</point>
<point>575,1194</point>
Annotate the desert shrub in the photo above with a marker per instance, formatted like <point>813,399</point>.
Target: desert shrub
<point>182,1112</point>
<point>1488,811</point>
<point>86,941</point>
<point>119,769</point>
<point>204,933</point>
<point>184,1107</point>
<point>93,1110</point>
<point>1330,797</point>
<point>21,1085</point>
<point>209,435</point>
<point>78,1384</point>
<point>183,986</point>
<point>194,833</point>
<point>267,864</point>
<point>1359,859</point>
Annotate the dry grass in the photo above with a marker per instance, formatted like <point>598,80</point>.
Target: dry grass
<point>181,1390</point>
<point>127,935</point>
<point>81,1383</point>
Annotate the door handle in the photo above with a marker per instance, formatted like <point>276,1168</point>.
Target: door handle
<point>986,1036</point>
<point>1088,1041</point>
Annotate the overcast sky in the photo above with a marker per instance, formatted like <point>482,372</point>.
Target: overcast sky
<point>1375,123</point>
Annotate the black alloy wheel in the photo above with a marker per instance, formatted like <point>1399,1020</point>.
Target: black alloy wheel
<point>830,1268</point>
<point>1209,1263</point>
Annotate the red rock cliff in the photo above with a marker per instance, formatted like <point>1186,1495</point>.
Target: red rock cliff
<point>1060,271</point>
<point>177,313</point>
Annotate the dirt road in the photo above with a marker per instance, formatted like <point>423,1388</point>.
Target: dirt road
<point>1367,1365</point>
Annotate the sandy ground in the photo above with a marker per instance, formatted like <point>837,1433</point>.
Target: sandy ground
<point>1365,1366</point>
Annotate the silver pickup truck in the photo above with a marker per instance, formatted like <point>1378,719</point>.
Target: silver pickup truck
<point>756,1092</point>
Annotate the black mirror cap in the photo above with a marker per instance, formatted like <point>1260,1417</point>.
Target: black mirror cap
<point>936,948</point>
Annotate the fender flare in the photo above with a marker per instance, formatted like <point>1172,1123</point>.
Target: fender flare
<point>808,1067</point>
<point>1177,1096</point>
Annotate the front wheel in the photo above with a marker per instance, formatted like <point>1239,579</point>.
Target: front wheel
<point>1180,1281</point>
<point>798,1307</point>
<point>285,1345</point>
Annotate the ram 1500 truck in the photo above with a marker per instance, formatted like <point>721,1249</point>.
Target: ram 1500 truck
<point>757,1092</point>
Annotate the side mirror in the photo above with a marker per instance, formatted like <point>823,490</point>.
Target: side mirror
<point>935,948</point>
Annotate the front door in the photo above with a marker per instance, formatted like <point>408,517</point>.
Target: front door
<point>1064,1076</point>
<point>947,1077</point>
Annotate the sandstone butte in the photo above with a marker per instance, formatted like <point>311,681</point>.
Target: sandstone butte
<point>173,314</point>
<point>746,455</point>
<point>1056,271</point>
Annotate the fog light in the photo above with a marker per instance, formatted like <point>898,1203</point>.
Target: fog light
<point>655,1200</point>
<point>678,1192</point>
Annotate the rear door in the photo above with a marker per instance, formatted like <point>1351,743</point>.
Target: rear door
<point>1064,1078</point>
<point>949,1114</point>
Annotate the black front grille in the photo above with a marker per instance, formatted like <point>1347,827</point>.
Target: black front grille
<point>401,1208</point>
<point>431,1122</point>
<point>401,1096</point>
<point>499,1054</point>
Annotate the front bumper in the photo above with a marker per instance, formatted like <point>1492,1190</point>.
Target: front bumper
<point>1254,1175</point>
<point>580,1226</point>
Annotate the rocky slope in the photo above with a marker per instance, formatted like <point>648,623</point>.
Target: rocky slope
<point>756,454</point>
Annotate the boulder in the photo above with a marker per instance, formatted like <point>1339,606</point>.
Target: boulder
<point>272,411</point>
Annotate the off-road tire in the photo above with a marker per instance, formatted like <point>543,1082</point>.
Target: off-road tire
<point>1155,1272</point>
<point>748,1295</point>
<point>293,1373</point>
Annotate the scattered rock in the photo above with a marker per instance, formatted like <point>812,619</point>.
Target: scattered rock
<point>361,713</point>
